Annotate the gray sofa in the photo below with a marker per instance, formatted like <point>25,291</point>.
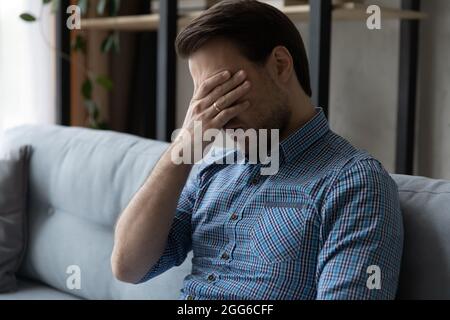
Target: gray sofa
<point>81,179</point>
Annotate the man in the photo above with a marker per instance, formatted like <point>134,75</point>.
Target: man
<point>327,225</point>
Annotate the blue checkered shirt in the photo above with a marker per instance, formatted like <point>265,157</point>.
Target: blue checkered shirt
<point>327,226</point>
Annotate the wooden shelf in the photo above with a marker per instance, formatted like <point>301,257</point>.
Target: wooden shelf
<point>355,11</point>
<point>297,13</point>
<point>146,22</point>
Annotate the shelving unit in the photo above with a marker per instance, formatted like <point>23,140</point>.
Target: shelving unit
<point>298,13</point>
<point>320,14</point>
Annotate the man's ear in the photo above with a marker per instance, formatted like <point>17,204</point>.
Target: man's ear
<point>282,63</point>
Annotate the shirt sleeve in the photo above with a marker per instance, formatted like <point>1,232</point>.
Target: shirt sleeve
<point>362,236</point>
<point>179,241</point>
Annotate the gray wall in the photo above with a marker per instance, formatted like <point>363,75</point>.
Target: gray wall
<point>364,73</point>
<point>433,156</point>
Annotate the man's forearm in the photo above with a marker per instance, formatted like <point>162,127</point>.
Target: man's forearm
<point>142,229</point>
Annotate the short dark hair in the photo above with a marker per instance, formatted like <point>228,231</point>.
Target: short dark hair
<point>254,27</point>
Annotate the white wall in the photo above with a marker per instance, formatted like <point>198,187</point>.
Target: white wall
<point>27,66</point>
<point>364,82</point>
<point>433,157</point>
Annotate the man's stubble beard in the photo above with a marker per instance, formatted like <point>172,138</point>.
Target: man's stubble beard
<point>277,118</point>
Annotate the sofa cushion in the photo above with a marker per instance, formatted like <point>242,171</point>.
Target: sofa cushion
<point>80,181</point>
<point>13,191</point>
<point>32,290</point>
<point>425,271</point>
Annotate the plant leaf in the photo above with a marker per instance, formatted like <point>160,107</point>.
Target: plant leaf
<point>103,126</point>
<point>115,7</point>
<point>55,5</point>
<point>107,43</point>
<point>90,106</point>
<point>111,43</point>
<point>116,44</point>
<point>83,4</point>
<point>28,17</point>
<point>86,89</point>
<point>79,44</point>
<point>105,82</point>
<point>101,5</point>
<point>95,113</point>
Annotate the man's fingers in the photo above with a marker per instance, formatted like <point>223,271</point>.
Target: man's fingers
<point>227,100</point>
<point>226,87</point>
<point>227,114</point>
<point>231,97</point>
<point>210,84</point>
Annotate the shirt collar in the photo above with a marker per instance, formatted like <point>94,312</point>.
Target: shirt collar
<point>299,141</point>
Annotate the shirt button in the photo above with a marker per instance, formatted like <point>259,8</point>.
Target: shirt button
<point>211,278</point>
<point>255,181</point>
<point>234,216</point>
<point>225,256</point>
<point>190,298</point>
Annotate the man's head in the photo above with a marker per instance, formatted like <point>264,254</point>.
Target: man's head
<point>258,38</point>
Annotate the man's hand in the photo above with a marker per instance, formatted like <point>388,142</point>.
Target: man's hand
<point>214,103</point>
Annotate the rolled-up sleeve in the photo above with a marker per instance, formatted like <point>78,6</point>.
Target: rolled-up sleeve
<point>361,235</point>
<point>179,241</point>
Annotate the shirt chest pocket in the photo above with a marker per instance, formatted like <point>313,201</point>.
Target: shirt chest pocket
<point>278,233</point>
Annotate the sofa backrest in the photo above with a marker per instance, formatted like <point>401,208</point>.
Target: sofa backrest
<point>425,271</point>
<point>82,179</point>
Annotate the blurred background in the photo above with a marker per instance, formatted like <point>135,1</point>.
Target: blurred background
<point>388,88</point>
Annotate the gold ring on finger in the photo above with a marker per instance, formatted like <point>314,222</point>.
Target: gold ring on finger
<point>217,107</point>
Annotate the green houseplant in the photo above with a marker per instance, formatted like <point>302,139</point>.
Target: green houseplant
<point>109,44</point>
